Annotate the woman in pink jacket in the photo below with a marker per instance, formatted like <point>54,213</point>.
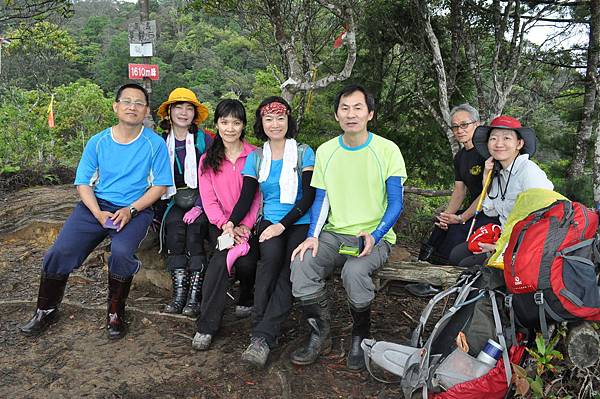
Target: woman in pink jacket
<point>220,178</point>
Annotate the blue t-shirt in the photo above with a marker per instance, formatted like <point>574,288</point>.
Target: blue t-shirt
<point>121,173</point>
<point>273,209</point>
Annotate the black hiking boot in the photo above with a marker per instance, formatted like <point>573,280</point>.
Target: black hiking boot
<point>118,291</point>
<point>319,342</point>
<point>180,289</point>
<point>361,325</point>
<point>50,294</point>
<point>192,308</point>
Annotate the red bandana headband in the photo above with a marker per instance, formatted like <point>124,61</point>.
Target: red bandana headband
<point>275,108</point>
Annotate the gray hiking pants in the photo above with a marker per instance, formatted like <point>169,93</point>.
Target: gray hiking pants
<point>308,276</point>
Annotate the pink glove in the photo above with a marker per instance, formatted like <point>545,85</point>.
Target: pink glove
<point>234,253</point>
<point>191,215</point>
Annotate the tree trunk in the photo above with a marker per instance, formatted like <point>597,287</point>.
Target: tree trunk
<point>443,116</point>
<point>583,345</point>
<point>584,132</point>
<point>596,166</point>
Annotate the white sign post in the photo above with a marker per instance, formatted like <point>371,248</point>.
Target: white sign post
<point>142,37</point>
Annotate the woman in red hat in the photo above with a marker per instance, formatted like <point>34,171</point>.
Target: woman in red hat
<point>507,146</point>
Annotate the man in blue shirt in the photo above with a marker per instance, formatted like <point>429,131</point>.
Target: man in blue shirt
<point>122,172</point>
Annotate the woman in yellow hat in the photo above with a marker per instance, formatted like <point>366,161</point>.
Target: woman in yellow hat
<point>184,224</point>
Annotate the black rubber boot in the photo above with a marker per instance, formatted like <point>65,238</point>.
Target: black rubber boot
<point>192,308</point>
<point>181,283</point>
<point>361,326</point>
<point>50,294</point>
<point>318,317</point>
<point>118,291</point>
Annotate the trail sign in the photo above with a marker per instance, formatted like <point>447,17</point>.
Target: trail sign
<point>140,50</point>
<point>141,71</point>
<point>142,32</point>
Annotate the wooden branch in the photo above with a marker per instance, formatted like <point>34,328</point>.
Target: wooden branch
<point>332,7</point>
<point>297,82</point>
<point>564,20</point>
<point>557,64</point>
<point>562,4</point>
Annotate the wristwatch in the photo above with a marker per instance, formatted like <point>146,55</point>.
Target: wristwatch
<point>134,212</point>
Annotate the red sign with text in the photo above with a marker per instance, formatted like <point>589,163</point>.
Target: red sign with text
<point>141,71</point>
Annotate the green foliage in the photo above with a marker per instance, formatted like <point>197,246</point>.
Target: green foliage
<point>110,70</point>
<point>26,141</point>
<point>579,189</point>
<point>220,55</point>
<point>544,354</point>
<point>545,362</point>
<point>43,56</point>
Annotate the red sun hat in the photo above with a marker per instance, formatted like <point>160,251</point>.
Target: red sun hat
<point>505,121</point>
<point>482,134</point>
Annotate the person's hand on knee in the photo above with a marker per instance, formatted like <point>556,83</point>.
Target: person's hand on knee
<point>273,230</point>
<point>310,243</point>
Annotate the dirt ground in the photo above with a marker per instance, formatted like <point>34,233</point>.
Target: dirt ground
<point>74,359</point>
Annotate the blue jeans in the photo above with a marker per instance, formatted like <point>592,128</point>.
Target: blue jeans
<point>82,233</point>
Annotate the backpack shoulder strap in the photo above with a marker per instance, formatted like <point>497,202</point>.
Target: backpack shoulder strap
<point>258,156</point>
<point>301,151</point>
<point>199,142</point>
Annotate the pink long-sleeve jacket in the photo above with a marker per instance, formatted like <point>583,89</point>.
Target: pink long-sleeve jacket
<point>220,191</point>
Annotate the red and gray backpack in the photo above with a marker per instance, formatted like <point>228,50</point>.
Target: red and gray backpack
<point>550,266</point>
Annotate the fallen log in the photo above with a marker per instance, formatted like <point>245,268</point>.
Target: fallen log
<point>583,345</point>
<point>427,193</point>
<point>418,272</point>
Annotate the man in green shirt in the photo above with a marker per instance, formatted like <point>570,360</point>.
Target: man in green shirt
<point>358,178</point>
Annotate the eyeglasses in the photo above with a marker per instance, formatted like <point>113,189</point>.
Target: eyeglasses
<point>462,126</point>
<point>128,103</point>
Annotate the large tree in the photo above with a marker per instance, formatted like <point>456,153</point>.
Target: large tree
<point>590,107</point>
<point>297,36</point>
<point>483,40</point>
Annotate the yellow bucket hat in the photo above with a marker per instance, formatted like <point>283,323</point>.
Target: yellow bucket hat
<point>182,94</point>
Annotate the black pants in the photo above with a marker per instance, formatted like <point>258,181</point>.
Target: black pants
<point>185,242</point>
<point>444,241</point>
<point>217,282</point>
<point>273,291</point>
<point>461,256</point>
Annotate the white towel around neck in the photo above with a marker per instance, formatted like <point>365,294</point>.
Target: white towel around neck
<point>288,180</point>
<point>190,173</point>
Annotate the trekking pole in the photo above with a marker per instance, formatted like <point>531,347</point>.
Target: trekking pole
<point>488,179</point>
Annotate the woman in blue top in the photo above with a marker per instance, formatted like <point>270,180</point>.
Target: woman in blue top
<point>185,226</point>
<point>283,170</point>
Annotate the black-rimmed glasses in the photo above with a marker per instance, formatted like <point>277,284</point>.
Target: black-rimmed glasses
<point>462,126</point>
